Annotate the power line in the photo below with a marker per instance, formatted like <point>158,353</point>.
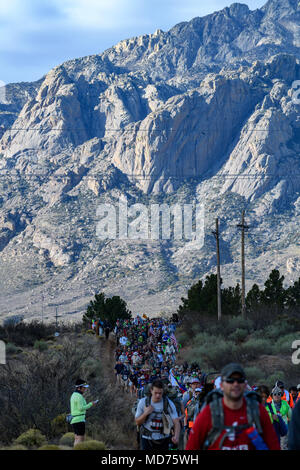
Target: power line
<point>4,172</point>
<point>72,129</point>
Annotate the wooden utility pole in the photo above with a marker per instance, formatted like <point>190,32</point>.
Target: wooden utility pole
<point>56,317</point>
<point>216,234</point>
<point>243,227</point>
<point>42,307</point>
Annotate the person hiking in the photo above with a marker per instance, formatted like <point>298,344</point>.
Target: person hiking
<point>223,423</point>
<point>79,406</point>
<point>294,428</point>
<point>293,395</point>
<point>107,331</point>
<point>149,417</point>
<point>281,413</point>
<point>194,383</point>
<point>191,411</point>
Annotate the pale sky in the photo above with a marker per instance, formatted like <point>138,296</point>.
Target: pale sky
<point>37,35</point>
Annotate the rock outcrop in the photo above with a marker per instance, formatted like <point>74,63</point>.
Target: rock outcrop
<point>202,114</point>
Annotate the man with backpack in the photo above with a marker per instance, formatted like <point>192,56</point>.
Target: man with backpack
<point>232,419</point>
<point>156,415</point>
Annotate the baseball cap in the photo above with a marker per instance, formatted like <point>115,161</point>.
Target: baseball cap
<point>230,369</point>
<point>195,380</point>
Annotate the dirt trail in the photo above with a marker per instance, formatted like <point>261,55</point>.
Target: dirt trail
<point>107,352</point>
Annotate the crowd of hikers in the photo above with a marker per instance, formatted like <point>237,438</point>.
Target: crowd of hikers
<point>179,406</point>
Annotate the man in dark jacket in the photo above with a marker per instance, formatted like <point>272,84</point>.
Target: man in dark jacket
<point>294,429</point>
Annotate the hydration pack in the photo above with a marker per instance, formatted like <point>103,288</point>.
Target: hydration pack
<point>214,401</point>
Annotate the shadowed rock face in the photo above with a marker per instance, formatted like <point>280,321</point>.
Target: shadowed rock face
<point>206,112</point>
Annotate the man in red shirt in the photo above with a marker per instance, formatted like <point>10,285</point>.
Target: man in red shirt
<point>233,386</point>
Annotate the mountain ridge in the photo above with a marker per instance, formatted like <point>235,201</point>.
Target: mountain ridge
<point>163,118</point>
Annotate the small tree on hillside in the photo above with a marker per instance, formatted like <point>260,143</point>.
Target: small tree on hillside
<point>253,298</point>
<point>231,300</point>
<point>203,298</point>
<point>274,293</point>
<point>107,310</point>
<point>293,295</point>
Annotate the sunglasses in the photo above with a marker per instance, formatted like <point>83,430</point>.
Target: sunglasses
<point>277,394</point>
<point>240,380</point>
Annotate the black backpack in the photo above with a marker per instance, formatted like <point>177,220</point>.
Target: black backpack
<point>214,401</point>
<point>166,408</point>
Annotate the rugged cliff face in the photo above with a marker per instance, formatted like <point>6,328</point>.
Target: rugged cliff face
<point>206,113</point>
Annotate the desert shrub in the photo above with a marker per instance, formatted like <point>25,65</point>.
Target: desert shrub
<point>49,447</point>
<point>228,325</point>
<point>90,445</point>
<point>31,438</point>
<point>14,447</point>
<point>213,352</point>
<point>261,317</point>
<point>182,338</point>
<point>41,345</point>
<point>67,439</point>
<point>45,379</point>
<point>239,335</point>
<point>59,425</point>
<point>92,367</point>
<point>25,334</point>
<point>277,330</point>
<point>254,375</point>
<point>254,347</point>
<point>12,349</point>
<point>283,344</point>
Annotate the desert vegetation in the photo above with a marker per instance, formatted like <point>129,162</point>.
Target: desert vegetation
<point>38,379</point>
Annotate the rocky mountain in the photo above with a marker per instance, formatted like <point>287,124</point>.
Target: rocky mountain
<point>204,115</point>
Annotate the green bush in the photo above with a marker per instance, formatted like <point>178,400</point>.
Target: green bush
<point>25,334</point>
<point>12,349</point>
<point>49,447</point>
<point>213,352</point>
<point>231,325</point>
<point>283,345</point>
<point>277,330</point>
<point>41,345</point>
<point>254,375</point>
<point>183,338</point>
<point>15,447</point>
<point>254,348</point>
<point>31,439</point>
<point>90,445</point>
<point>59,425</point>
<point>239,335</point>
<point>67,439</point>
<point>92,367</point>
